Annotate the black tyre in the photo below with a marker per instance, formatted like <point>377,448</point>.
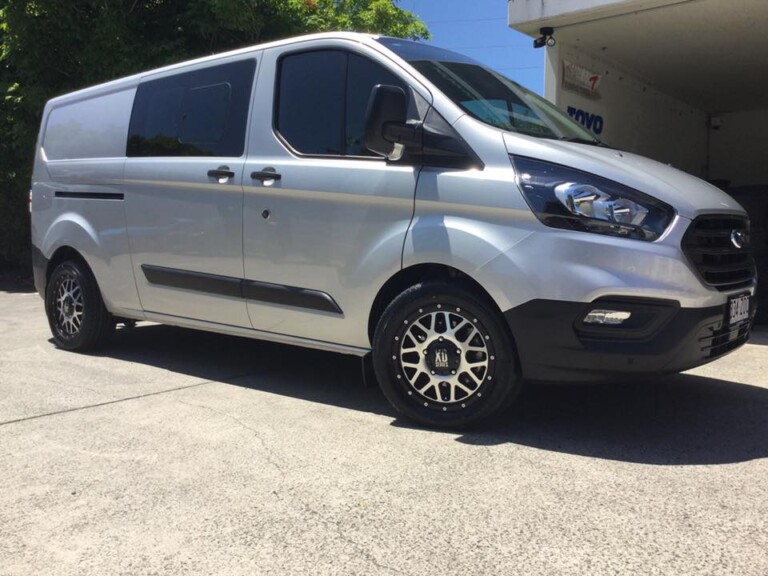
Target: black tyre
<point>444,357</point>
<point>75,310</point>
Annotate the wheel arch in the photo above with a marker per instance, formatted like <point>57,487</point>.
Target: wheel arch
<point>104,251</point>
<point>407,277</point>
<point>62,254</point>
<point>70,236</point>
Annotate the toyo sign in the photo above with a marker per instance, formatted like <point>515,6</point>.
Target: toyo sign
<point>592,122</point>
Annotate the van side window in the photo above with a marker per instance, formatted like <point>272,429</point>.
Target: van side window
<point>200,113</point>
<point>322,98</point>
<point>310,105</point>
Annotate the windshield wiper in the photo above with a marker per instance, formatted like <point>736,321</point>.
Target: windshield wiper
<point>577,140</point>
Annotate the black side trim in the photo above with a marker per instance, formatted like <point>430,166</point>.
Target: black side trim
<point>197,281</point>
<point>239,288</point>
<point>290,296</point>
<point>91,195</point>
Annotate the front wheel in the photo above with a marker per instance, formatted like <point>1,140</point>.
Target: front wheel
<point>75,309</point>
<point>443,356</point>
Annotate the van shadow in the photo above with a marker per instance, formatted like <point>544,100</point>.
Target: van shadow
<point>13,284</point>
<point>311,375</point>
<point>675,420</point>
<point>759,336</point>
<point>678,420</point>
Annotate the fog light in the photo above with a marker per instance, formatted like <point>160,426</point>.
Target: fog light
<point>612,317</point>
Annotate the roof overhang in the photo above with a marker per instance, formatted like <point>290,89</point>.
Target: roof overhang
<point>712,54</point>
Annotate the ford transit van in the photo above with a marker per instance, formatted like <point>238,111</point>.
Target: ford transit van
<point>387,199</point>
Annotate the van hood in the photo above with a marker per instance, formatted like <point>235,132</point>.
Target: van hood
<point>690,196</point>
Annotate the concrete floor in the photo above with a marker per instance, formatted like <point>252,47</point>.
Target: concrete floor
<point>180,452</point>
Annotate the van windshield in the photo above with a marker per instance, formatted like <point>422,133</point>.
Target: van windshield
<point>487,95</point>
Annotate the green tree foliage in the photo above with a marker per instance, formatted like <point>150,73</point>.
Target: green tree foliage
<point>50,47</point>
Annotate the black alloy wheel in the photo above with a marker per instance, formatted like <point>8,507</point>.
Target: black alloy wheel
<point>444,357</point>
<point>76,313</point>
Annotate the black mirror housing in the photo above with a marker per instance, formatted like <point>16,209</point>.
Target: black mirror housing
<point>389,133</point>
<point>387,108</point>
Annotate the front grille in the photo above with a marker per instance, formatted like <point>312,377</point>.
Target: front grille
<point>719,338</point>
<point>720,264</point>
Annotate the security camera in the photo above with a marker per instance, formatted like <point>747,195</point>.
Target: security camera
<point>546,38</point>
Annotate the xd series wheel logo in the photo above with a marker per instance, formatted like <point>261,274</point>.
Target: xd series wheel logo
<point>441,359</point>
<point>738,238</point>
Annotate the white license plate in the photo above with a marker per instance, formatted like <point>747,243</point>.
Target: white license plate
<point>738,309</point>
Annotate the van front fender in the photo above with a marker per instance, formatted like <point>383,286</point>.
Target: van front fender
<point>481,250</point>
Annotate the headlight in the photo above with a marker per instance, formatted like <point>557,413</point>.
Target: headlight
<point>563,197</point>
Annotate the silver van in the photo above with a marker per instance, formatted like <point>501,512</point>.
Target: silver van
<point>386,199</point>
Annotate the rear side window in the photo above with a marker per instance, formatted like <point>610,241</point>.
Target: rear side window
<point>92,128</point>
<point>322,98</point>
<point>200,113</point>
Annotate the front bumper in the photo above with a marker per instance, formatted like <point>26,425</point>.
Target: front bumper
<point>554,345</point>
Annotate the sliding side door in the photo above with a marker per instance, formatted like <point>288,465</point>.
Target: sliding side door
<point>184,195</point>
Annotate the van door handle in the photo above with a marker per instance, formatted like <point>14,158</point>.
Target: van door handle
<point>222,172</point>
<point>266,174</point>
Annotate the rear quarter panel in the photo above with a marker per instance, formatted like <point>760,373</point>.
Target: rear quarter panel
<point>81,151</point>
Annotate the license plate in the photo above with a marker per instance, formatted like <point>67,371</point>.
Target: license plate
<point>738,309</point>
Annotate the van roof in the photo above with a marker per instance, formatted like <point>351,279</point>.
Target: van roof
<point>133,80</point>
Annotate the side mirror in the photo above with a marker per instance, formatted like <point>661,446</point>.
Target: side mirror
<point>387,108</point>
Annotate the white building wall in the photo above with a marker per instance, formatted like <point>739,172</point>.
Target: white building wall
<point>739,148</point>
<point>530,14</point>
<point>630,114</point>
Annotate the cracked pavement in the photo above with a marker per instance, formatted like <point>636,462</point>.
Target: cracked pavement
<point>181,452</point>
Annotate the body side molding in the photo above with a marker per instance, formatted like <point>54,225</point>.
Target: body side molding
<point>90,195</point>
<point>241,288</point>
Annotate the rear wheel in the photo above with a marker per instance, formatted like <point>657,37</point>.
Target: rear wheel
<point>444,357</point>
<point>75,309</point>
